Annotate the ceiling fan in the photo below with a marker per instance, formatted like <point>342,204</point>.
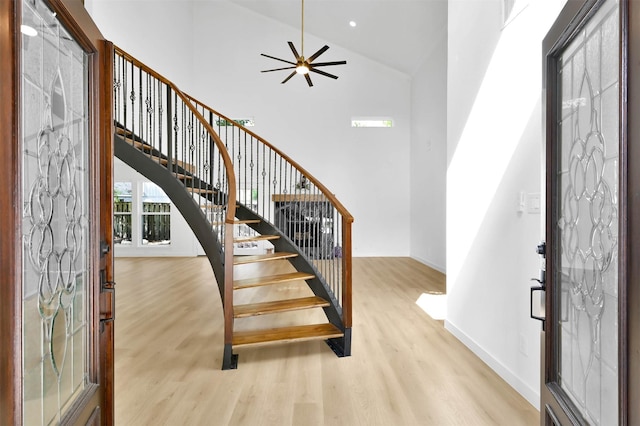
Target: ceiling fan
<point>304,65</point>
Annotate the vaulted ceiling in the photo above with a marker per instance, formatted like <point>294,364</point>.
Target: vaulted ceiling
<point>396,33</point>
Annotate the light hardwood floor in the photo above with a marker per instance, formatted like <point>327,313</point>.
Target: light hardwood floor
<point>406,369</point>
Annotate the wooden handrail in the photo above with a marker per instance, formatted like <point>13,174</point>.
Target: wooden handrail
<point>231,179</point>
<point>330,196</point>
<point>339,285</point>
<point>347,218</point>
<point>227,295</point>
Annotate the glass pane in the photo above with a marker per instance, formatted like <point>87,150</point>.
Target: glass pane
<point>55,237</point>
<point>122,202</point>
<point>587,228</point>
<point>156,218</point>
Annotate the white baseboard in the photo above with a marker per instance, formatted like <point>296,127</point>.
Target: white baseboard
<point>430,264</point>
<point>531,395</point>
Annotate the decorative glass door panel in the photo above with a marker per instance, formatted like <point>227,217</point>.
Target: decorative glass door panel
<point>586,211</point>
<point>55,228</point>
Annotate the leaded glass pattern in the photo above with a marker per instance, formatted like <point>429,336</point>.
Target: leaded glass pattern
<point>55,179</point>
<point>587,228</point>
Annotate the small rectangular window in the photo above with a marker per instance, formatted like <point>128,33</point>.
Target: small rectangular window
<point>246,122</point>
<point>122,213</point>
<point>156,215</point>
<point>372,122</point>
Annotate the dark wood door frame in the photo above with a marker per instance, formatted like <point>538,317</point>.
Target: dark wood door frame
<point>77,20</point>
<point>10,212</point>
<point>631,180</point>
<point>567,23</point>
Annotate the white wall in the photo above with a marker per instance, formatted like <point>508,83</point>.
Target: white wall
<point>494,139</point>
<point>212,51</point>
<point>155,32</point>
<point>429,150</point>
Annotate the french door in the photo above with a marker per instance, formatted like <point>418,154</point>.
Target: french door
<point>56,322</point>
<point>589,365</point>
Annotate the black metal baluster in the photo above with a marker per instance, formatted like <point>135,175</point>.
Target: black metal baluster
<point>183,127</point>
<point>123,94</point>
<point>144,109</point>
<point>188,140</point>
<point>132,98</point>
<point>116,87</point>
<point>140,121</point>
<point>265,186</point>
<point>244,157</point>
<point>211,153</point>
<point>161,116</point>
<point>272,174</point>
<point>154,114</point>
<point>251,183</point>
<point>236,157</point>
<point>172,128</point>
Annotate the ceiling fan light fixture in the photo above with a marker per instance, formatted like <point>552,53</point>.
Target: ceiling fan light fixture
<point>303,65</point>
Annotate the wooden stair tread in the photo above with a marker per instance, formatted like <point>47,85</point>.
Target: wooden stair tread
<point>253,309</point>
<point>271,279</point>
<point>128,136</point>
<point>200,190</point>
<point>140,145</point>
<point>241,260</point>
<point>211,207</point>
<point>239,222</point>
<point>189,168</point>
<point>286,334</point>
<point>256,238</point>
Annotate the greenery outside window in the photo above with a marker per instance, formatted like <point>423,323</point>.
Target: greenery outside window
<point>156,216</point>
<point>122,201</point>
<point>371,122</point>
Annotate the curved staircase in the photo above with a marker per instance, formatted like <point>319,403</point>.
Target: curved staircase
<point>220,176</point>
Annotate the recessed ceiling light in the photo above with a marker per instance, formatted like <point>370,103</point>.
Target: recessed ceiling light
<point>352,23</point>
<point>28,30</point>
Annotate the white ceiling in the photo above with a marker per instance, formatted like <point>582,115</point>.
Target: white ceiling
<point>396,33</point>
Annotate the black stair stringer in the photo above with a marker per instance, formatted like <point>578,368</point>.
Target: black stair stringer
<point>301,262</point>
<point>181,198</point>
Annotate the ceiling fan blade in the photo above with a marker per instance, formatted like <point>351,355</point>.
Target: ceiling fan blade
<point>324,64</point>
<point>279,69</point>
<point>278,59</point>
<point>293,49</point>
<point>308,80</point>
<point>326,74</point>
<point>318,53</point>
<point>288,78</point>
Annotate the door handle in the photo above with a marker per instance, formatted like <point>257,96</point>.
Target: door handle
<point>537,304</point>
<point>537,296</point>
